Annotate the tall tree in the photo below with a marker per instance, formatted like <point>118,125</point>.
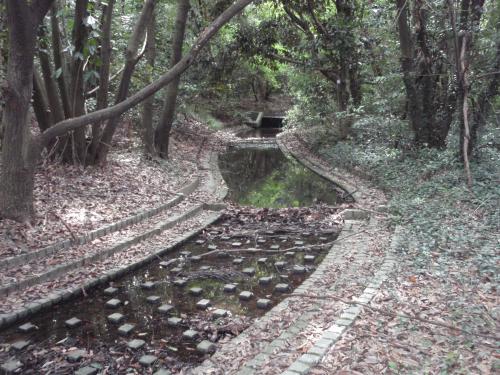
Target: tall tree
<point>162,133</point>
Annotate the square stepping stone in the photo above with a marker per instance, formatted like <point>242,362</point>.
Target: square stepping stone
<point>165,264</point>
<point>73,322</point>
<point>20,345</point>
<point>76,355</point>
<point>174,321</point>
<point>290,254</point>
<point>219,313</point>
<point>230,288</point>
<point>162,371</point>
<point>236,244</point>
<point>176,270</point>
<point>263,303</point>
<point>299,243</point>
<point>266,280</point>
<point>211,247</point>
<point>199,242</point>
<point>153,300</point>
<point>185,253</point>
<point>225,238</point>
<point>126,329</point>
<point>246,295</point>
<point>309,258</point>
<point>298,270</point>
<point>195,291</point>
<point>261,240</point>
<point>205,268</point>
<point>275,247</point>
<point>238,261</point>
<point>113,303</point>
<point>323,239</point>
<point>116,318</point>
<point>27,327</point>
<point>280,264</point>
<point>148,285</point>
<point>11,366</point>
<point>190,334</point>
<point>110,291</point>
<point>136,344</point>
<point>166,309</point>
<point>283,238</point>
<point>262,260</point>
<point>282,288</point>
<point>250,271</point>
<point>306,234</point>
<point>206,347</point>
<point>147,360</point>
<point>195,258</point>
<point>180,282</point>
<point>87,370</point>
<point>203,304</point>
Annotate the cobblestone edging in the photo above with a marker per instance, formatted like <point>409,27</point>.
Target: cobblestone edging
<point>353,190</point>
<point>64,295</point>
<point>90,236</point>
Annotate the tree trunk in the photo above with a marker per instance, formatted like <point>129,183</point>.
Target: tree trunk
<point>162,135</point>
<point>41,103</point>
<point>132,55</point>
<point>147,108</point>
<point>102,93</point>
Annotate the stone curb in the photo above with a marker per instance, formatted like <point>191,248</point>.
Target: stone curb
<point>63,268</point>
<point>337,179</point>
<point>330,336</point>
<point>59,296</point>
<point>92,235</point>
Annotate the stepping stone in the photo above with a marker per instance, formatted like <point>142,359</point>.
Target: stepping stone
<point>195,291</point>
<point>262,260</point>
<point>283,238</point>
<point>195,258</point>
<point>87,370</point>
<point>154,300</point>
<point>306,234</point>
<point>199,242</point>
<point>166,309</point>
<point>185,253</point>
<point>238,261</point>
<point>206,347</point>
<point>27,327</point>
<point>261,240</point>
<point>290,254</point>
<point>250,271</point>
<point>11,366</point>
<point>230,288</point>
<point>162,371</point>
<point>125,329</point>
<point>165,264</point>
<point>299,243</point>
<point>148,285</point>
<point>269,232</point>
<point>263,303</point>
<point>219,313</point>
<point>180,282</point>
<point>309,258</point>
<point>190,334</point>
<point>236,244</point>
<point>176,270</point>
<point>211,247</point>
<point>20,345</point>
<point>73,322</point>
<point>266,280</point>
<point>110,291</point>
<point>282,288</point>
<point>147,360</point>
<point>203,304</point>
<point>246,295</point>
<point>205,268</point>
<point>76,355</point>
<point>116,318</point>
<point>280,264</point>
<point>323,239</point>
<point>298,270</point>
<point>136,344</point>
<point>174,321</point>
<point>113,303</point>
<point>225,238</point>
<point>275,247</point>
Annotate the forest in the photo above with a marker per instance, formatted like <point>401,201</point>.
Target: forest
<point>121,120</point>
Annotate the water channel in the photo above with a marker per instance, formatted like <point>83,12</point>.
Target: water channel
<point>196,292</point>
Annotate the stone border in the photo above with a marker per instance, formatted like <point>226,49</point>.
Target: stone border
<point>92,235</point>
<point>337,179</point>
<point>59,296</point>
